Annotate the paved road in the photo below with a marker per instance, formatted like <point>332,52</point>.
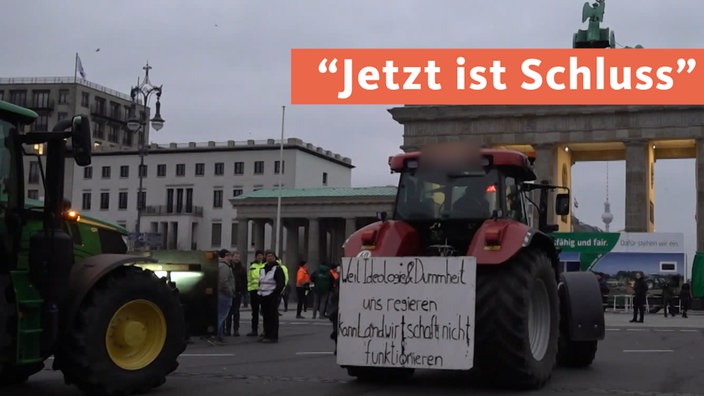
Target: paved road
<point>659,357</point>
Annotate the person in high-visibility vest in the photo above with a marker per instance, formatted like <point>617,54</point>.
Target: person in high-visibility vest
<point>271,284</point>
<point>302,286</point>
<point>253,273</point>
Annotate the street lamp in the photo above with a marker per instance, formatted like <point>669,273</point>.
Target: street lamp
<point>139,124</point>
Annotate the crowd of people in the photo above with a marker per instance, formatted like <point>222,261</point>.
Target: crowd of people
<point>263,286</point>
<point>667,305</point>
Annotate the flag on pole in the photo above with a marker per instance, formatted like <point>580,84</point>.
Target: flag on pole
<point>79,66</point>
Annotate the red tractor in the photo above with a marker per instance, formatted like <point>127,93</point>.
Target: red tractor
<point>455,200</point>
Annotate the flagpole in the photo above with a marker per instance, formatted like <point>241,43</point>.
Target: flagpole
<point>281,172</point>
<point>75,68</point>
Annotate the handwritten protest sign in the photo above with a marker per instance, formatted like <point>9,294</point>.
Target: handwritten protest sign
<point>415,312</point>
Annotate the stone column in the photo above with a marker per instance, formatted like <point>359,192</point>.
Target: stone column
<point>546,169</point>
<point>242,238</point>
<point>350,226</point>
<point>638,206</point>
<point>291,252</point>
<point>258,234</point>
<point>313,243</point>
<point>699,175</point>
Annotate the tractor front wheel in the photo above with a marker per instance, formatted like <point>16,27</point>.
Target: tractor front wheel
<point>517,320</point>
<point>127,335</point>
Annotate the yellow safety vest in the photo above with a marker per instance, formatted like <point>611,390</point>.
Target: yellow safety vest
<point>253,275</point>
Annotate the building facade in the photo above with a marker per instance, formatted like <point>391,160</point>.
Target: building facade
<point>58,98</point>
<point>187,187</point>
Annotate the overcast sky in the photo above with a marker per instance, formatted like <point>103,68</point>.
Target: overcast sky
<point>225,68</point>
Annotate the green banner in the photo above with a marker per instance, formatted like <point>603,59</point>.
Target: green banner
<point>586,242</point>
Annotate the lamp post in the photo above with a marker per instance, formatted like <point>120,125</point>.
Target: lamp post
<point>138,123</point>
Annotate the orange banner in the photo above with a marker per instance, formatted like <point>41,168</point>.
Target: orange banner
<point>498,76</point>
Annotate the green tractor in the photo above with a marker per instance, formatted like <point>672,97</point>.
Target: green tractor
<point>112,326</point>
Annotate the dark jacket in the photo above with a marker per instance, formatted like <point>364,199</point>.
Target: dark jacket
<point>240,274</point>
<point>641,290</point>
<point>322,279</point>
<point>686,296</point>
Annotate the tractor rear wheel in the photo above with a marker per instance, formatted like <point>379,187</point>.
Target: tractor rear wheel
<point>127,336</point>
<point>517,320</point>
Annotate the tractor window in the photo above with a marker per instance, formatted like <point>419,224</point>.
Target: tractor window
<point>436,194</point>
<point>514,203</point>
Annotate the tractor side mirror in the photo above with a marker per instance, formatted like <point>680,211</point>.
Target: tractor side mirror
<point>81,140</point>
<point>562,204</point>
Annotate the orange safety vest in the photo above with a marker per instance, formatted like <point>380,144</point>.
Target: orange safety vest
<point>302,277</point>
<point>335,274</point>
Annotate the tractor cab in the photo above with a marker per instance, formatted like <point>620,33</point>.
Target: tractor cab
<point>446,200</point>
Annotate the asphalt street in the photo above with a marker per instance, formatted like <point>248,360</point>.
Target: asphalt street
<point>663,356</point>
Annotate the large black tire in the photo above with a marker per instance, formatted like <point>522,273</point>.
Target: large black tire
<point>576,354</point>
<point>517,321</point>
<point>127,335</point>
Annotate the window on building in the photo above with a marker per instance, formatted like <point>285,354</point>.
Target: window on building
<point>189,200</point>
<point>115,110</point>
<point>325,178</point>
<point>143,171</point>
<point>127,138</point>
<point>141,200</point>
<point>124,171</point>
<point>88,172</point>
<point>33,177</point>
<point>279,168</point>
<point>216,234</point>
<point>2,95</point>
<point>161,170</point>
<point>33,194</point>
<point>86,201</point>
<point>217,198</point>
<point>180,169</point>
<point>105,173</point>
<point>40,99</point>
<point>257,187</point>
<point>85,99</point>
<point>200,169</point>
<point>42,123</point>
<point>105,200</point>
<point>114,134</point>
<point>99,107</point>
<point>169,200</point>
<point>219,169</point>
<point>233,234</point>
<point>239,168</point>
<point>18,97</point>
<point>122,200</point>
<point>98,130</point>
<point>179,200</point>
<point>258,167</point>
<point>63,96</point>
<point>60,116</point>
<point>237,191</point>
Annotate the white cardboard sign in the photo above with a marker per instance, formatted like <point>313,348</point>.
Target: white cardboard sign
<point>414,312</point>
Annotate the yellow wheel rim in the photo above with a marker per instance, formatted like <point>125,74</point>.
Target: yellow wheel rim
<point>136,334</point>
